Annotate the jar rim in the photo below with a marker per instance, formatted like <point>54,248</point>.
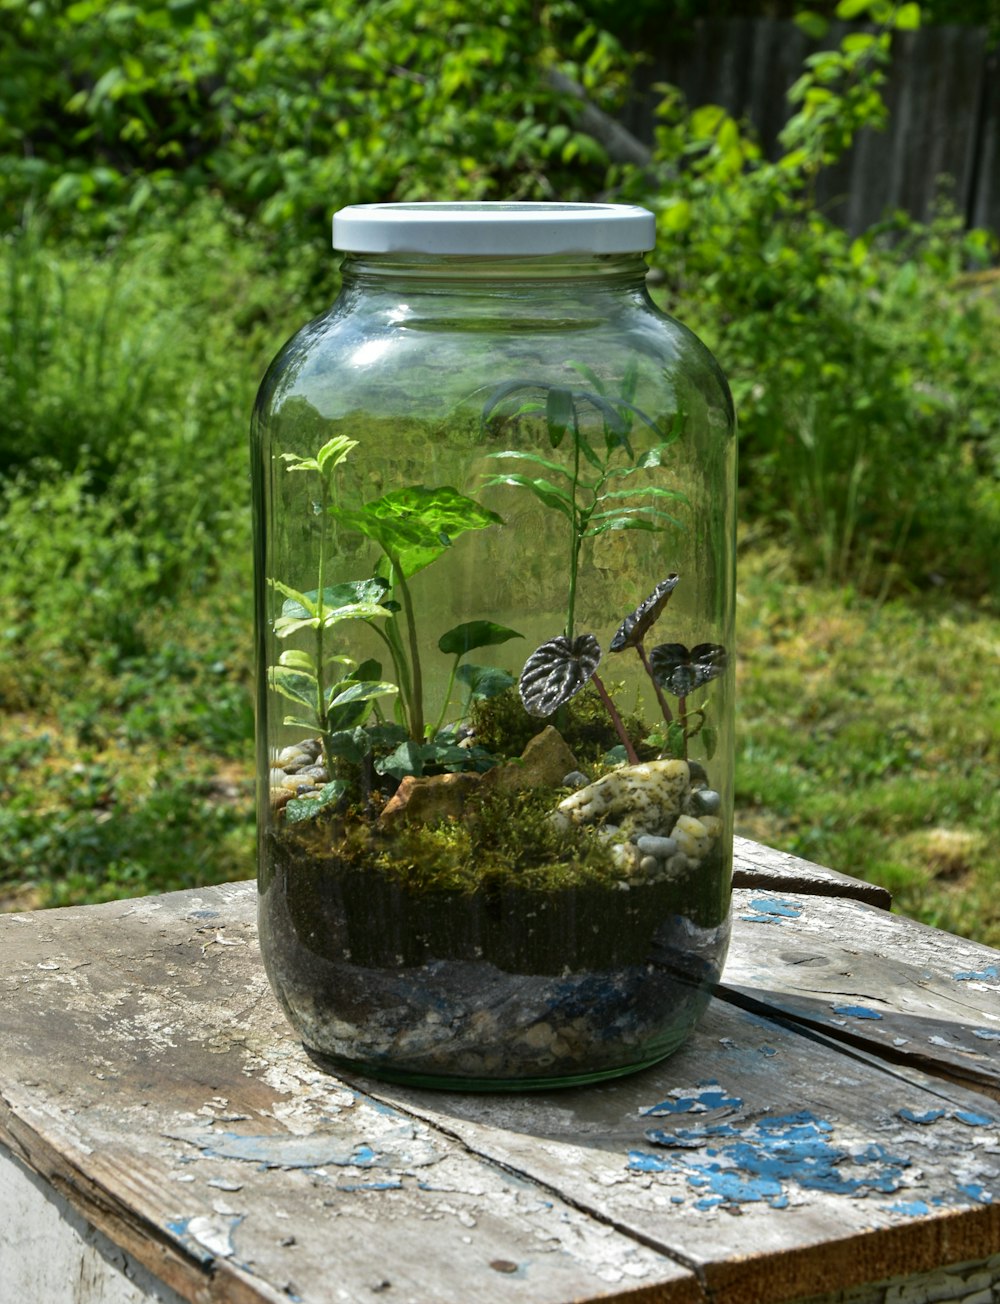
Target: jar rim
<point>494,228</point>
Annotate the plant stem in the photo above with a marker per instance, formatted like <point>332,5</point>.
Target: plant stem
<point>576,534</point>
<point>682,715</point>
<point>447,697</point>
<point>321,612</point>
<point>616,719</point>
<point>664,705</point>
<point>417,685</point>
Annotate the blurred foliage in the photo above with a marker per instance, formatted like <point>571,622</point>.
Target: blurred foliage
<point>287,108</point>
<point>864,370</point>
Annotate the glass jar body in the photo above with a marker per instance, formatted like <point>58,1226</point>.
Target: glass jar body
<point>494,534</point>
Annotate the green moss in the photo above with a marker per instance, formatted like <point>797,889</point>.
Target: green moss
<point>503,839</point>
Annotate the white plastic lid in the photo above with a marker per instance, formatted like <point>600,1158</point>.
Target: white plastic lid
<point>495,229</point>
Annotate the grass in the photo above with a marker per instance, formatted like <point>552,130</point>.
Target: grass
<point>869,739</point>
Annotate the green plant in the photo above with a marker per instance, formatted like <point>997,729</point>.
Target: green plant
<point>413,527</point>
<point>589,502</point>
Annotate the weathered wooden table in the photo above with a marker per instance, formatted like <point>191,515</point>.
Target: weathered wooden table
<point>832,1131</point>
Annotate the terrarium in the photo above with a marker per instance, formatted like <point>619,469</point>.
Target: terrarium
<point>494,532</point>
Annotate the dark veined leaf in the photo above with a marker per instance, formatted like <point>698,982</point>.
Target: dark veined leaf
<point>474,633</point>
<point>681,671</point>
<point>304,808</point>
<point>415,525</point>
<point>557,671</point>
<point>635,627</point>
<point>484,682</point>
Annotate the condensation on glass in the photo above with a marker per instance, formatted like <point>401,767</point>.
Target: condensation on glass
<point>494,541</point>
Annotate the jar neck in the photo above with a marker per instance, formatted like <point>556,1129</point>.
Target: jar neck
<point>469,274</point>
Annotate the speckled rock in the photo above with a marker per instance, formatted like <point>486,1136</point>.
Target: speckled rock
<point>648,798</point>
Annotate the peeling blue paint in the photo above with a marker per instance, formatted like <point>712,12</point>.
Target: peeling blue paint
<point>707,1095</point>
<point>987,1034</point>
<point>756,1163</point>
<point>976,1192</point>
<point>641,1162</point>
<point>973,1119</point>
<point>772,911</point>
<point>912,1208</point>
<point>929,1116</point>
<point>982,975</point>
<point>856,1012</point>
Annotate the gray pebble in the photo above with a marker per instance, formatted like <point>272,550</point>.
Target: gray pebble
<point>317,772</point>
<point>707,801</point>
<point>661,848</point>
<point>649,864</point>
<point>575,779</point>
<point>678,864</point>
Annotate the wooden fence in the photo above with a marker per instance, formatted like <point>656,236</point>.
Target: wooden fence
<point>943,96</point>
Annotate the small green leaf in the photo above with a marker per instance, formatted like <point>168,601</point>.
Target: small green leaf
<point>560,415</point>
<point>303,808</point>
<point>408,758</point>
<point>351,745</point>
<point>544,491</point>
<point>293,684</point>
<point>474,633</point>
<point>334,451</point>
<point>294,659</point>
<point>293,722</point>
<point>534,458</point>
<point>363,692</point>
<point>484,682</point>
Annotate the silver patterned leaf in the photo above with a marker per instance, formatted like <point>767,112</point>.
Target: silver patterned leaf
<point>635,627</point>
<point>557,671</point>
<point>681,671</point>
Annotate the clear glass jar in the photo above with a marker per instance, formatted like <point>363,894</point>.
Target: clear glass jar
<point>494,515</point>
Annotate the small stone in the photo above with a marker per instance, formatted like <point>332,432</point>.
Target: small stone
<point>542,764</point>
<point>649,865</point>
<point>429,800</point>
<point>293,782</point>
<point>538,1036</point>
<point>712,825</point>
<point>691,837</point>
<point>625,856</point>
<point>277,775</point>
<point>575,779</point>
<point>661,848</point>
<point>317,772</point>
<point>294,755</point>
<point>280,796</point>
<point>678,864</point>
<point>706,801</point>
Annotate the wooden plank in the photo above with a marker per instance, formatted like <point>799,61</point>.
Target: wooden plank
<point>758,866</point>
<point>147,1075</point>
<point>776,1167</point>
<point>913,995</point>
<point>50,1255</point>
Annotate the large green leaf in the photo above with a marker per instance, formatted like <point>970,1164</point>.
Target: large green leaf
<point>474,633</point>
<point>414,526</point>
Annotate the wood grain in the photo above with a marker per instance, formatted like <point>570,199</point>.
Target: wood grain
<point>148,1076</point>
